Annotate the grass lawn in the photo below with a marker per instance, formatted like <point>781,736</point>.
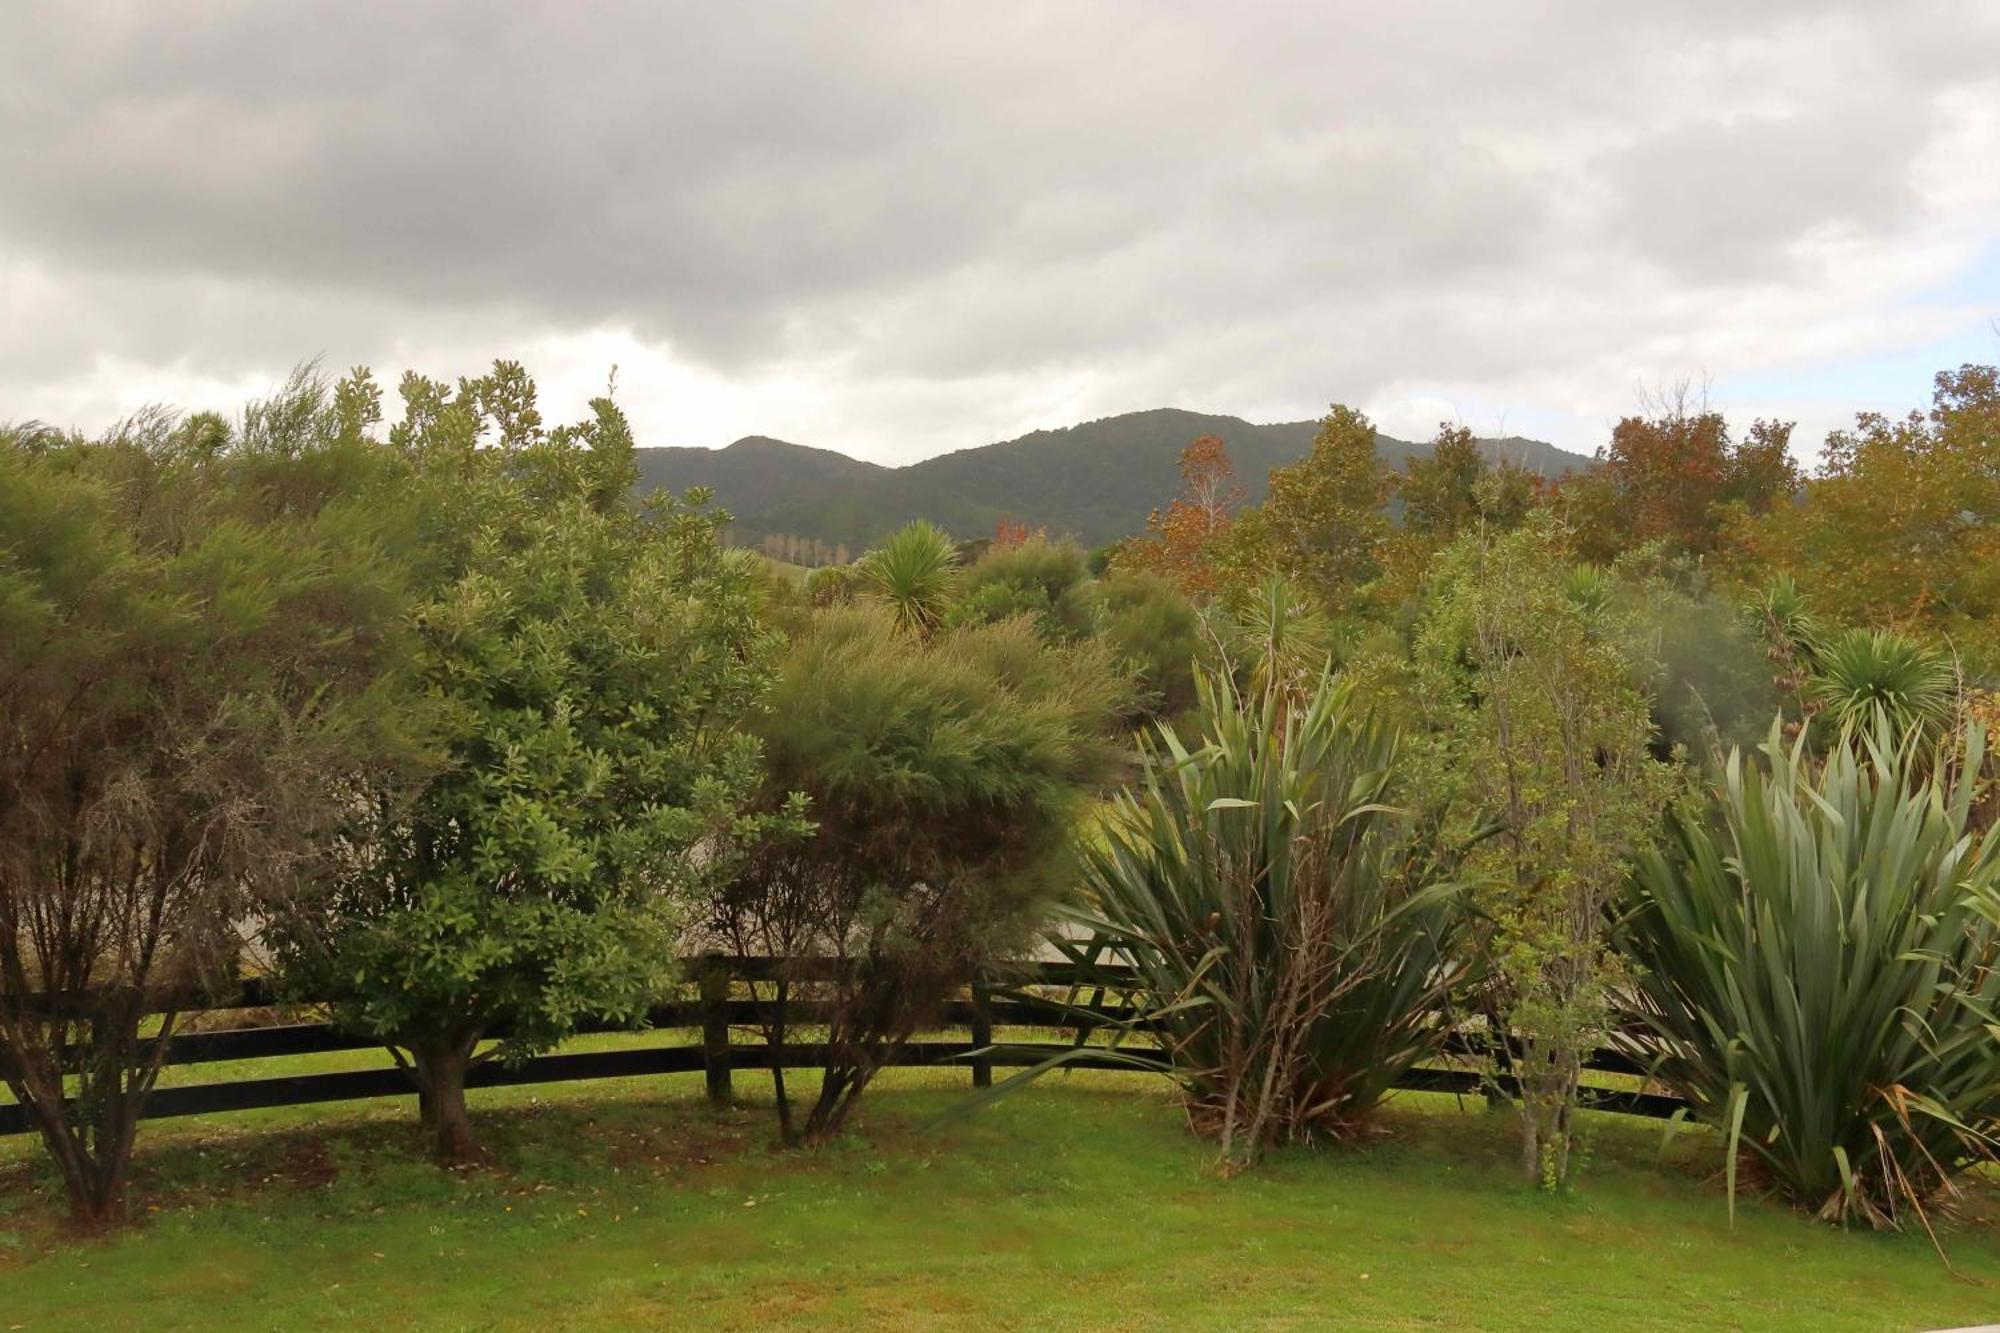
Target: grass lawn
<point>1081,1203</point>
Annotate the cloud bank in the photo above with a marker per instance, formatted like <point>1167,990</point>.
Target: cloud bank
<point>898,229</point>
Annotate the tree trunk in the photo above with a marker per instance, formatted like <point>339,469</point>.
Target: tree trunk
<point>840,1089</point>
<point>94,1182</point>
<point>780,1027</point>
<point>90,1137</point>
<point>439,1068</point>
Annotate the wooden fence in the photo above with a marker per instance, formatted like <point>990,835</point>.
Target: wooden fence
<point>1024,1000</point>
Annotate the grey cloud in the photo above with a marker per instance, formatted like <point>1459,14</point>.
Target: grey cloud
<point>1723,201</point>
<point>1174,201</point>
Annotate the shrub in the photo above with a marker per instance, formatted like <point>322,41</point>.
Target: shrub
<point>943,775</point>
<point>198,650</point>
<point>1816,960</point>
<point>1292,942</point>
<point>1547,735</point>
<point>1145,623</point>
<point>832,585</point>
<point>1037,569</point>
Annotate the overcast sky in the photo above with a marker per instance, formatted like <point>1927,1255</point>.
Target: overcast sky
<point>897,229</point>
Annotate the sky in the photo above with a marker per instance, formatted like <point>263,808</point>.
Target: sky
<point>899,229</point>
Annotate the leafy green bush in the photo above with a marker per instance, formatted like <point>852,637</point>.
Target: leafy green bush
<point>1816,961</point>
<point>1292,941</point>
<point>1541,717</point>
<point>1038,570</point>
<point>832,585</point>
<point>1146,624</point>
<point>596,660</point>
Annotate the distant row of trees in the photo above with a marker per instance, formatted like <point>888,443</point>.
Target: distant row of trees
<point>791,549</point>
<point>1899,527</point>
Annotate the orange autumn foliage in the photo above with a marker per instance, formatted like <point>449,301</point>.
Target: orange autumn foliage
<point>1180,540</point>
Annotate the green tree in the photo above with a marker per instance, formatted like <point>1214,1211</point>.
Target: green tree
<point>1322,524</point>
<point>198,646</point>
<point>596,658</point>
<point>1901,527</point>
<point>1440,493</point>
<point>1548,737</point>
<point>1868,679</point>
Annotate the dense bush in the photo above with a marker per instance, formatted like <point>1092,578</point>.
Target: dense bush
<point>1816,959</point>
<point>943,775</point>
<point>1036,572</point>
<point>1293,939</point>
<point>1154,633</point>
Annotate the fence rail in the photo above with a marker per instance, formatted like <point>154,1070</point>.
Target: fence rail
<point>714,1017</point>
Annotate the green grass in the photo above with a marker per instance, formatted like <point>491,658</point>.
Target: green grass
<point>1081,1203</point>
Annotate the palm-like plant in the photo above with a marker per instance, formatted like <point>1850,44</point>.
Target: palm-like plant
<point>1285,640</point>
<point>1864,676</point>
<point>1291,944</point>
<point>1816,969</point>
<point>1589,588</point>
<point>1781,612</point>
<point>1781,619</point>
<point>913,573</point>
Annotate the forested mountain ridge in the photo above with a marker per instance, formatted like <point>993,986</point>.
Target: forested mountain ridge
<point>1095,481</point>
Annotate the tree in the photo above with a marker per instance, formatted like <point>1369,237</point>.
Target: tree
<point>1011,531</point>
<point>1322,523</point>
<point>1900,528</point>
<point>198,643</point>
<point>914,573</point>
<point>1675,478</point>
<point>1547,737</point>
<point>596,658</point>
<point>1181,540</point>
<point>944,774</point>
<point>1440,493</point>
<point>1865,681</point>
<point>1446,494</point>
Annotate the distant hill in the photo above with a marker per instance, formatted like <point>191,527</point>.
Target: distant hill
<point>1095,482</point>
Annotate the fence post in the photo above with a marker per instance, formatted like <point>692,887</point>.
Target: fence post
<point>982,1035</point>
<point>715,1029</point>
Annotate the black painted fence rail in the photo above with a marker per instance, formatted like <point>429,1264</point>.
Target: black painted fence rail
<point>1012,1001</point>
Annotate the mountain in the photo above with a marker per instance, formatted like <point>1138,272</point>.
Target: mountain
<point>1096,481</point>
